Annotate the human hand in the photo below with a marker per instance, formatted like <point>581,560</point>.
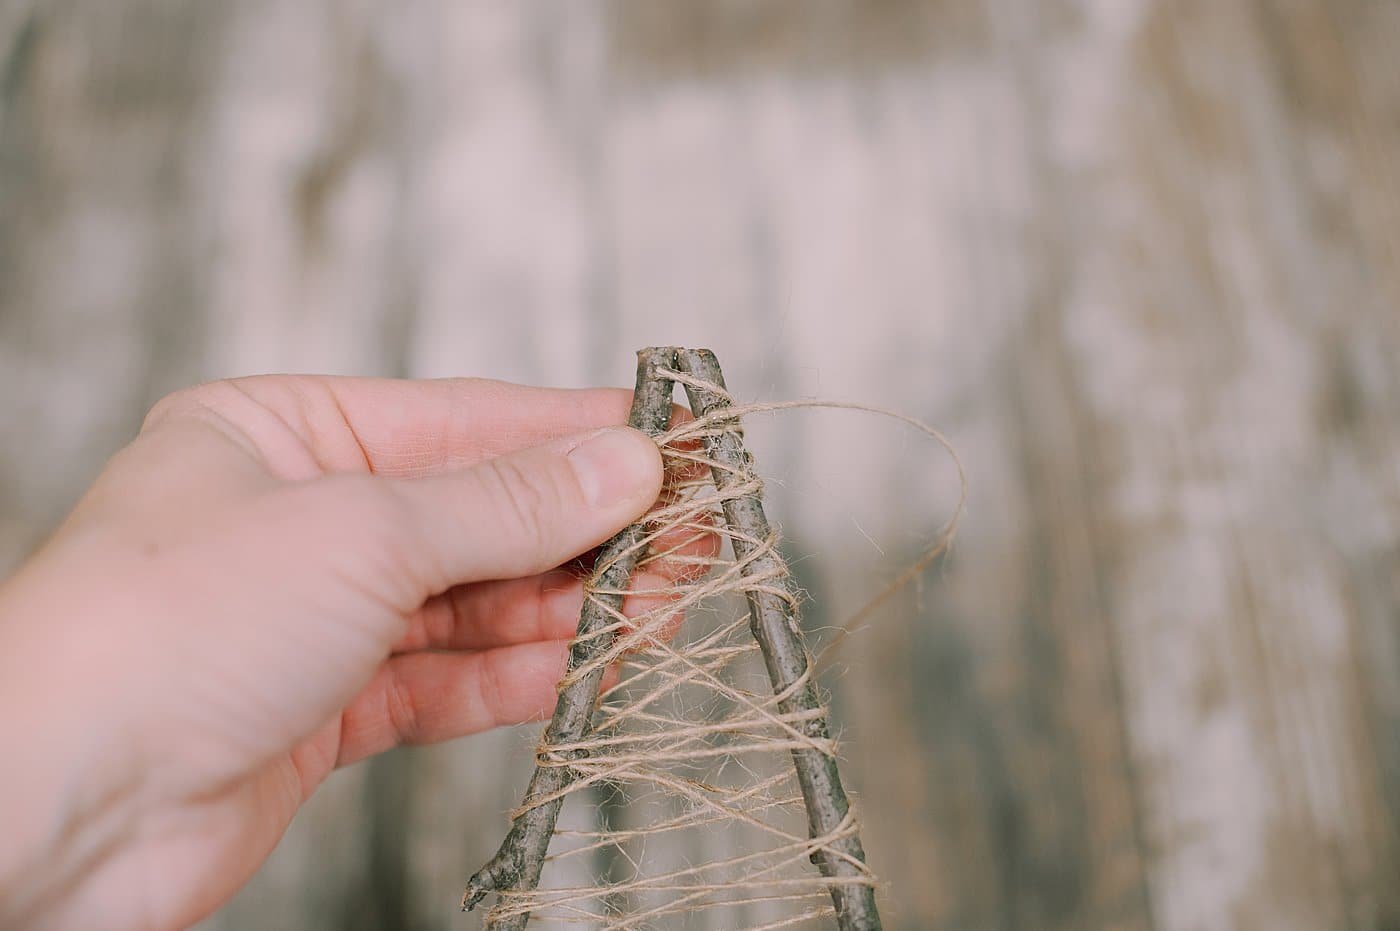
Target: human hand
<point>279,576</point>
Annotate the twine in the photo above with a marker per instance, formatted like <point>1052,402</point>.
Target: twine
<point>692,728</point>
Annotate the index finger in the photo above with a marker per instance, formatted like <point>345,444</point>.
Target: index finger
<point>418,428</point>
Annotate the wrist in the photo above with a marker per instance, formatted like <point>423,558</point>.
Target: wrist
<point>69,799</point>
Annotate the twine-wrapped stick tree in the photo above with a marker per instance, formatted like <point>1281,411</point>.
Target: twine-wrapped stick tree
<point>630,734</point>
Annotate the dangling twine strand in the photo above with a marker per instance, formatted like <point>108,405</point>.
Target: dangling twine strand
<point>773,620</point>
<point>688,729</point>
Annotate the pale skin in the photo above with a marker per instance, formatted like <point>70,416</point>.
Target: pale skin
<point>277,577</point>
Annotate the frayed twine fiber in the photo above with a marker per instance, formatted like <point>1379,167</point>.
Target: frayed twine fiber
<point>691,744</point>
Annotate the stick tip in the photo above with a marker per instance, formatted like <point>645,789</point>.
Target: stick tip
<point>477,887</point>
<point>658,353</point>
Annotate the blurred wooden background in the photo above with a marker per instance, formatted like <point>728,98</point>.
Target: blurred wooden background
<point>1140,258</point>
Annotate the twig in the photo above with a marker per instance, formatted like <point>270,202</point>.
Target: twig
<point>517,864</point>
<point>773,618</point>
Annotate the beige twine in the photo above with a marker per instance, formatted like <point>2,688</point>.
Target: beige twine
<point>691,733</point>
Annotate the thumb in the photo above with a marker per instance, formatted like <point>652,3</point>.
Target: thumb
<point>525,512</point>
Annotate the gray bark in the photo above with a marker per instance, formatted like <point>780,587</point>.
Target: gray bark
<point>517,864</point>
<point>773,620</point>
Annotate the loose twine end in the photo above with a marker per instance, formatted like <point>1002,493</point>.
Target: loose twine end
<point>684,727</point>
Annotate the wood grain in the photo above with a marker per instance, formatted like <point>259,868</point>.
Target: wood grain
<point>1140,259</point>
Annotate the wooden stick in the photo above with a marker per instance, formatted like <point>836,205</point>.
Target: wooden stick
<point>773,619</point>
<point>517,864</point>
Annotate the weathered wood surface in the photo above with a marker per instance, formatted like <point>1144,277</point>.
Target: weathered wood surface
<point>1141,259</point>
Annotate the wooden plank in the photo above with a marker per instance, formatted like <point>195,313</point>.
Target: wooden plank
<point>1141,259</point>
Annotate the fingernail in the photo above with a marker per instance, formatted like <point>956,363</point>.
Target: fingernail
<point>613,465</point>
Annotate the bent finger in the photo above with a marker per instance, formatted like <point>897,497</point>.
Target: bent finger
<point>395,427</point>
<point>429,697</point>
<point>425,698</point>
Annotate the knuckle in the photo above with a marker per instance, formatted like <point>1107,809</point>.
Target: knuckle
<point>442,618</point>
<point>203,400</point>
<point>402,710</point>
<point>177,404</point>
<point>528,498</point>
<point>490,692</point>
<point>227,398</point>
